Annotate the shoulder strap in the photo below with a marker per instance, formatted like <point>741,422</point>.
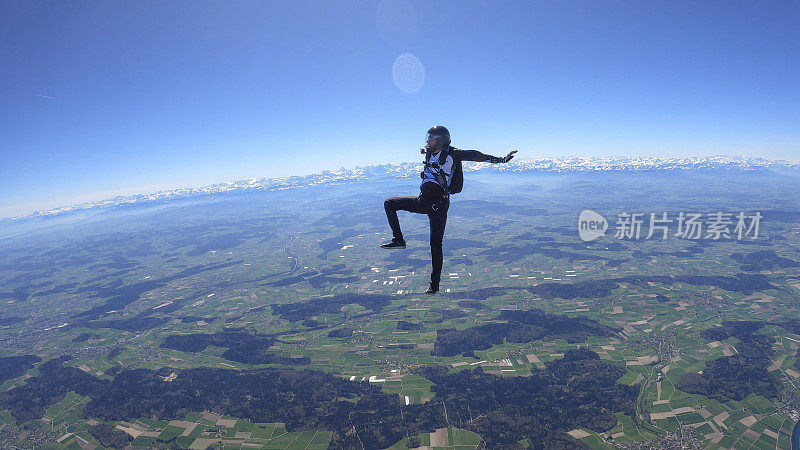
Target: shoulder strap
<point>442,160</point>
<point>443,156</point>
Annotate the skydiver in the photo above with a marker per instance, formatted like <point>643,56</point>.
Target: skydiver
<point>441,176</point>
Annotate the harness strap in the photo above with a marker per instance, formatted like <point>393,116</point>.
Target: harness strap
<point>440,176</point>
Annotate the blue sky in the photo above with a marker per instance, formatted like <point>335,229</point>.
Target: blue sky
<point>99,98</point>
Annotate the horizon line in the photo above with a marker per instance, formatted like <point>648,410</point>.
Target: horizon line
<point>173,192</point>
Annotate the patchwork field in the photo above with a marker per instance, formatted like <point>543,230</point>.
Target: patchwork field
<point>274,320</point>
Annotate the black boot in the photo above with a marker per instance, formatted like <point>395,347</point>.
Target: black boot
<point>432,289</point>
<point>396,243</point>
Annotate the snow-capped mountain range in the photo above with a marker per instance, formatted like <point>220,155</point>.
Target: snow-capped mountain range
<point>411,170</point>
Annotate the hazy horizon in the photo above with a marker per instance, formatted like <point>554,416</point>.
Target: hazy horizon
<point>147,190</point>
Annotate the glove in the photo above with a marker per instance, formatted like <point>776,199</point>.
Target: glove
<point>505,159</point>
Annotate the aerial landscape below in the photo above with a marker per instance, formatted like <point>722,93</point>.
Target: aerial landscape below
<point>234,319</point>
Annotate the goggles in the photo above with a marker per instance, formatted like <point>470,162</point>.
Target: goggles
<point>430,140</point>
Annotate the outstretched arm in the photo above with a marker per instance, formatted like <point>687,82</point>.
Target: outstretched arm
<point>474,155</point>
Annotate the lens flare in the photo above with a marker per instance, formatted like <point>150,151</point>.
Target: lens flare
<point>408,74</point>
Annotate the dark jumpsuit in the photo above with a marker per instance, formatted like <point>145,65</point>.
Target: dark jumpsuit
<point>433,202</point>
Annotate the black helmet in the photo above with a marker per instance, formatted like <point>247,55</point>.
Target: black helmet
<point>437,138</point>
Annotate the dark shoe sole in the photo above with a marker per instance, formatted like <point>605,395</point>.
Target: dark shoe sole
<point>430,292</point>
<point>392,247</point>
